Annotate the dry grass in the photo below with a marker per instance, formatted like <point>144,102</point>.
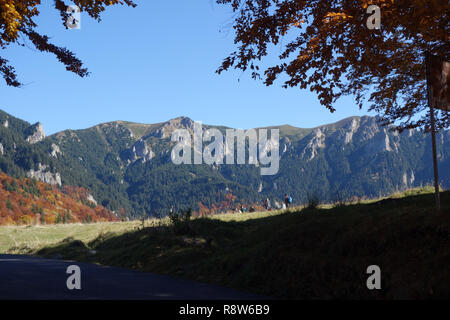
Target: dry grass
<point>21,239</point>
<point>302,254</point>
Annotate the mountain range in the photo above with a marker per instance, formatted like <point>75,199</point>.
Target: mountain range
<point>127,166</point>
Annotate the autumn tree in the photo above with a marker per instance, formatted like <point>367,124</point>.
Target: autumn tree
<point>17,24</point>
<point>329,49</point>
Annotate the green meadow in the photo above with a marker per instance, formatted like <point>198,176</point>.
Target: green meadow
<point>314,252</point>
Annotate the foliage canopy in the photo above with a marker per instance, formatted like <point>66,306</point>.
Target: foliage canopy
<point>331,51</point>
<point>17,24</point>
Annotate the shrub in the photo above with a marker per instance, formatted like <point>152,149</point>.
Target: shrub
<point>313,201</point>
<point>181,221</point>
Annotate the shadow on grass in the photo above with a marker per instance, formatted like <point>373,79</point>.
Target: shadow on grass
<point>310,254</point>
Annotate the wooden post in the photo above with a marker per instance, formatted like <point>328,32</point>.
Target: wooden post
<point>433,135</point>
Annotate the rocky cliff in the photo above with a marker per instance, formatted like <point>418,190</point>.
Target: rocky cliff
<point>128,165</point>
<point>35,133</point>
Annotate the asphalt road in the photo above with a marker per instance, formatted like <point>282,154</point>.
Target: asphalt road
<point>32,278</point>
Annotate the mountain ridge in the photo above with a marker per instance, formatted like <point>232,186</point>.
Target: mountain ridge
<point>127,165</point>
<point>127,123</point>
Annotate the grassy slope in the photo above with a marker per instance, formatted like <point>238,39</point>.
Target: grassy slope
<point>22,239</point>
<point>314,253</point>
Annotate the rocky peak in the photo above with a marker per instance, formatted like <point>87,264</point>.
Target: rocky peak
<point>140,151</point>
<point>381,142</point>
<point>165,131</point>
<point>45,176</point>
<point>369,127</point>
<point>351,129</point>
<point>285,143</point>
<point>317,140</point>
<point>90,198</point>
<point>55,151</point>
<point>35,133</point>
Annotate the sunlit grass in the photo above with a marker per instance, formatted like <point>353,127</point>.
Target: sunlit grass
<point>20,239</point>
<point>287,254</point>
<point>23,239</point>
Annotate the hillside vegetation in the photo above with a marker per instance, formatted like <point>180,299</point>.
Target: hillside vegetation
<point>308,253</point>
<point>127,167</point>
<point>27,201</point>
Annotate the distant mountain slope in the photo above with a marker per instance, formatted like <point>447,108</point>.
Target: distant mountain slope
<point>127,166</point>
<point>17,155</point>
<point>26,201</point>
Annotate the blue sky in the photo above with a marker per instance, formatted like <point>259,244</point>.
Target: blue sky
<point>150,64</point>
